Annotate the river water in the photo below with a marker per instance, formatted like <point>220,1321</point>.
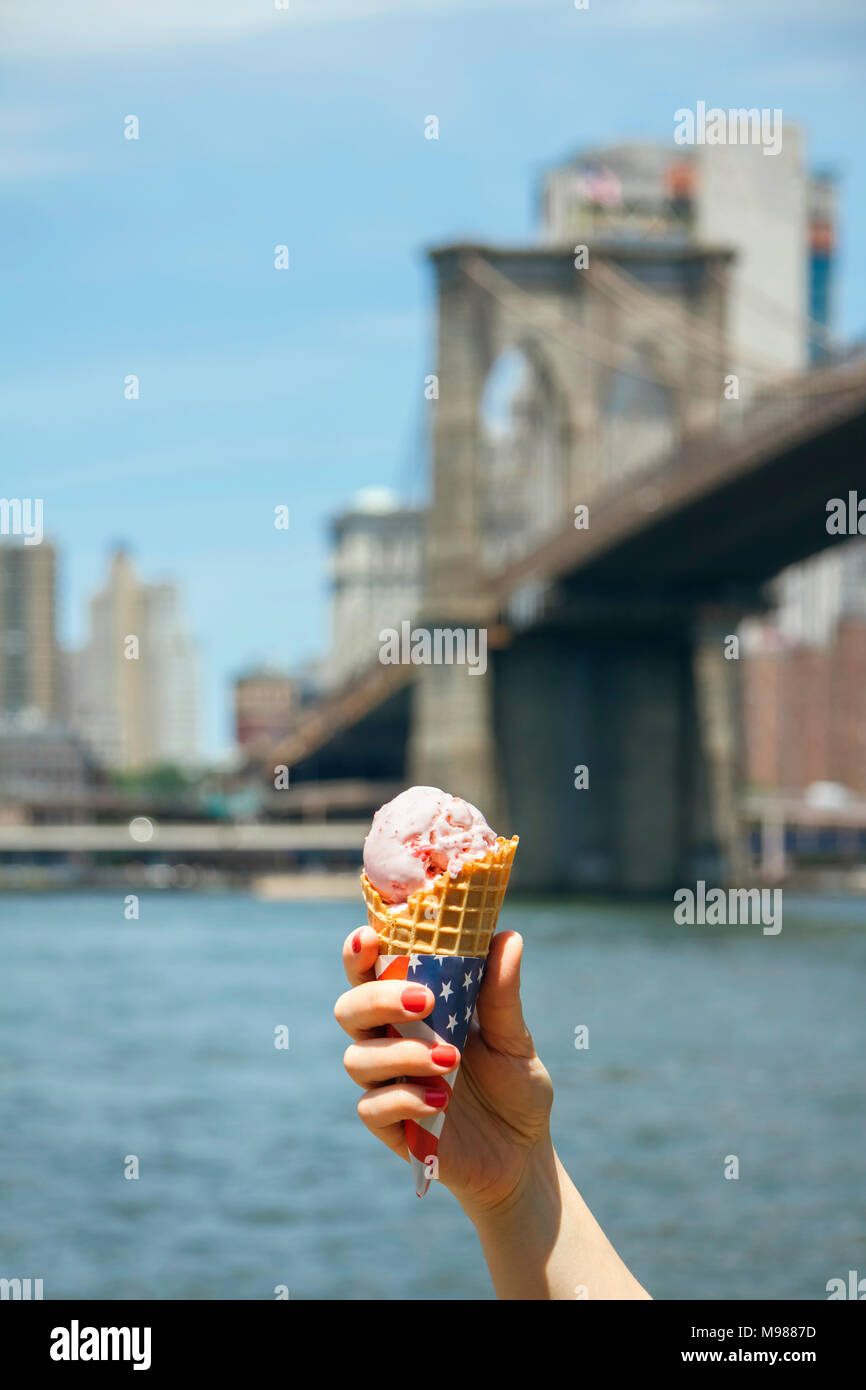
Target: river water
<point>155,1038</point>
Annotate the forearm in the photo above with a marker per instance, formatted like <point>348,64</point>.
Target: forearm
<point>546,1244</point>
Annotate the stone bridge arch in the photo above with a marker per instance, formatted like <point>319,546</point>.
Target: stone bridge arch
<point>525,451</point>
<point>492,301</point>
<point>580,327</point>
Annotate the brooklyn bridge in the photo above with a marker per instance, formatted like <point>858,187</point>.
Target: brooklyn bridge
<point>661,481</point>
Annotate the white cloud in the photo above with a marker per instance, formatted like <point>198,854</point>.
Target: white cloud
<point>56,28</point>
<point>729,15</point>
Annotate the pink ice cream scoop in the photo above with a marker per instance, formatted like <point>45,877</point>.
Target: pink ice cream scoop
<point>417,836</point>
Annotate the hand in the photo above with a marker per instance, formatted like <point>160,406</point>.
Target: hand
<point>500,1108</point>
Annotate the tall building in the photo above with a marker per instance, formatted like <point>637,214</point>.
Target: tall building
<point>266,701</point>
<point>805,711</point>
<point>171,678</point>
<point>780,220</point>
<point>29,666</point>
<point>775,215</point>
<point>134,686</point>
<point>378,547</point>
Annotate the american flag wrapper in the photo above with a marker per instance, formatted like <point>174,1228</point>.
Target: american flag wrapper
<point>455,981</point>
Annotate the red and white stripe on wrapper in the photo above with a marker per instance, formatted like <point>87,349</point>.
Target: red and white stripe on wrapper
<point>455,981</point>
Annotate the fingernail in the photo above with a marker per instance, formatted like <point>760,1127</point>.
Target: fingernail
<point>414,998</point>
<point>356,942</point>
<point>444,1056</point>
<point>437,1098</point>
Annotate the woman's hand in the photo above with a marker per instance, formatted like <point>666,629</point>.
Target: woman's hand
<point>539,1238</point>
<point>499,1111</point>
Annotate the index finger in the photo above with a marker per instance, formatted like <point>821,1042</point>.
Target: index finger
<point>359,955</point>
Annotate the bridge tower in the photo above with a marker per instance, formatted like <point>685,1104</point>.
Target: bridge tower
<point>614,342</point>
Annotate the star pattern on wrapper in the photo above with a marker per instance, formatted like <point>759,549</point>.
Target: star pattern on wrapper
<point>454,982</point>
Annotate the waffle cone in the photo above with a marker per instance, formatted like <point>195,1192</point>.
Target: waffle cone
<point>450,916</point>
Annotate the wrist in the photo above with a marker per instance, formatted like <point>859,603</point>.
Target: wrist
<point>536,1189</point>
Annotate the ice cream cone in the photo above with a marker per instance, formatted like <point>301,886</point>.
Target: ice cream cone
<point>440,938</point>
<point>450,916</point>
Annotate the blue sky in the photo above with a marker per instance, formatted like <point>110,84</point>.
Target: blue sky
<point>306,127</point>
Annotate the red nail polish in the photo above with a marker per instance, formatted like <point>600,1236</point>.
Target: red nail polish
<point>444,1056</point>
<point>356,942</point>
<point>437,1098</point>
<point>414,998</point>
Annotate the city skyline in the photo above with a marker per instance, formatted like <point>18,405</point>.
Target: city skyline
<point>257,387</point>
<point>133,687</point>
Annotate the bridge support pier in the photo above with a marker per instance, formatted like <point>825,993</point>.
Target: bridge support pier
<point>717,690</point>
<point>647,713</point>
<point>452,741</point>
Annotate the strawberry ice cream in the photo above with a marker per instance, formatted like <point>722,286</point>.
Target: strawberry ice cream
<point>420,834</point>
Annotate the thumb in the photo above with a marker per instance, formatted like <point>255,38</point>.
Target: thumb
<point>499,1010</point>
